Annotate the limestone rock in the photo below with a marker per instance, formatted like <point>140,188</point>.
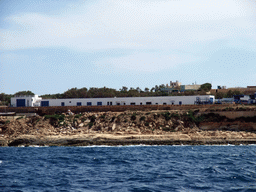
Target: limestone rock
<point>179,128</point>
<point>87,121</point>
<point>113,127</point>
<point>81,125</point>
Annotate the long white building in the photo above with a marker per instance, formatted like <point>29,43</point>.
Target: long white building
<point>35,101</point>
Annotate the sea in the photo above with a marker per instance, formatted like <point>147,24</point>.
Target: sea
<point>128,168</point>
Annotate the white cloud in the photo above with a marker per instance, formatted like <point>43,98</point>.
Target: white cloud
<point>144,62</point>
<point>130,24</point>
<point>161,26</point>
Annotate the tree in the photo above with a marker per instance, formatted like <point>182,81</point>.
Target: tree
<point>146,89</point>
<point>5,99</point>
<point>206,87</point>
<point>219,95</point>
<point>20,93</point>
<point>231,93</point>
<point>124,89</point>
<point>152,89</point>
<point>82,93</point>
<point>138,89</point>
<point>156,88</point>
<point>71,93</point>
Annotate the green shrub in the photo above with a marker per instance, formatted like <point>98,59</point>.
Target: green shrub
<point>191,118</point>
<point>92,118</point>
<point>166,129</point>
<point>146,123</point>
<point>78,115</point>
<point>142,118</point>
<point>167,116</point>
<point>118,120</point>
<point>90,124</point>
<point>175,115</point>
<point>6,122</point>
<point>113,118</point>
<point>37,121</point>
<point>156,116</point>
<point>133,117</point>
<point>55,117</point>
<point>102,116</point>
<point>211,117</point>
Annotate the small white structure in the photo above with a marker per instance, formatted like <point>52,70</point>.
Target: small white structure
<point>26,101</point>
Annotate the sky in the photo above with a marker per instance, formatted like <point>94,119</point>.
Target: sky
<point>50,46</point>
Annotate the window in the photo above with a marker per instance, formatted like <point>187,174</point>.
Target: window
<point>156,103</point>
<point>43,103</point>
<point>132,103</point>
<point>148,103</point>
<point>109,103</point>
<point>78,104</point>
<point>140,103</point>
<point>180,102</point>
<point>89,103</point>
<point>164,103</point>
<point>124,103</point>
<point>69,101</point>
<point>99,103</point>
<point>117,103</point>
<point>62,104</point>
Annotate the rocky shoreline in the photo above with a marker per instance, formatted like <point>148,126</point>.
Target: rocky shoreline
<point>121,142</point>
<point>172,127</point>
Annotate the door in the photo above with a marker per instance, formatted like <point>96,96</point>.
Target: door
<point>20,102</point>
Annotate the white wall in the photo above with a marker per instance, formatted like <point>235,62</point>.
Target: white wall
<point>30,101</point>
<point>128,100</point>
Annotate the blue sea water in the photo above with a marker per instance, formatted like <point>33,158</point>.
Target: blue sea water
<point>128,168</point>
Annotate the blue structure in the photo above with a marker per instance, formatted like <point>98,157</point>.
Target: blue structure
<point>237,98</point>
<point>44,103</point>
<point>200,101</point>
<point>21,102</point>
<point>245,99</point>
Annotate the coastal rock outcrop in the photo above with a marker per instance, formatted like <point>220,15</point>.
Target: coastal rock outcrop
<point>181,125</point>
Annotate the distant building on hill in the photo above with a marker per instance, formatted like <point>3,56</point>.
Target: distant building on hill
<point>177,87</point>
<point>221,87</point>
<point>193,87</point>
<point>174,87</point>
<point>175,84</point>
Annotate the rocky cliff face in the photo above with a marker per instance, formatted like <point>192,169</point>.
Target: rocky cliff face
<point>178,124</point>
<point>102,122</point>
